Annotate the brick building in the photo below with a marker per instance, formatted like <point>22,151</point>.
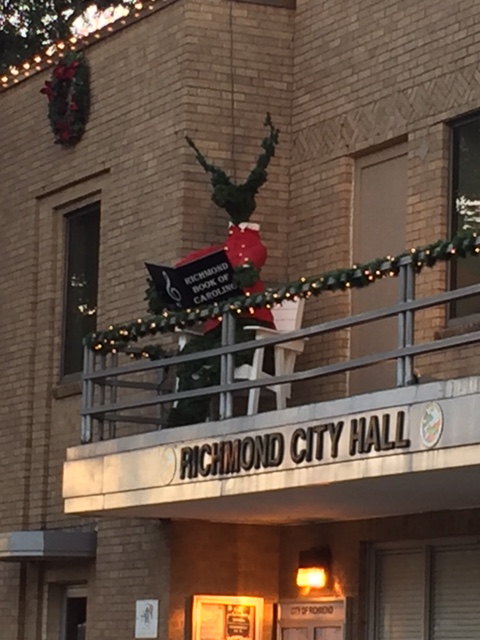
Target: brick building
<point>378,106</point>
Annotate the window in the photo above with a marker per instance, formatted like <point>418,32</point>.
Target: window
<point>75,616</point>
<point>81,286</point>
<point>428,592</point>
<point>465,207</point>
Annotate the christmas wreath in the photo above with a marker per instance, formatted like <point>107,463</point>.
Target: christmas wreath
<point>68,94</point>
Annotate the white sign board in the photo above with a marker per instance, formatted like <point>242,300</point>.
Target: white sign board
<point>146,619</point>
<point>322,619</point>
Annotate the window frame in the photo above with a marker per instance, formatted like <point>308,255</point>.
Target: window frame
<point>427,548</point>
<point>71,214</point>
<point>454,320</point>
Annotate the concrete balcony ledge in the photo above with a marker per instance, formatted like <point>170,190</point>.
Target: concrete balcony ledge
<point>403,450</point>
<point>321,411</point>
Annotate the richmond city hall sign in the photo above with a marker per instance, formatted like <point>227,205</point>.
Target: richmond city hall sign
<point>380,432</point>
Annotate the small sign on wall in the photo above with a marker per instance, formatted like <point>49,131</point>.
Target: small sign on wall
<point>146,619</point>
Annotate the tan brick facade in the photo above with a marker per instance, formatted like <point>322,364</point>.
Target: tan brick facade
<point>341,80</point>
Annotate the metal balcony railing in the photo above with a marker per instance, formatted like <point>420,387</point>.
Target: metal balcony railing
<point>105,378</point>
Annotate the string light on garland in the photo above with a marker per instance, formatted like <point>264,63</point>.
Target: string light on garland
<point>357,276</point>
<point>54,52</point>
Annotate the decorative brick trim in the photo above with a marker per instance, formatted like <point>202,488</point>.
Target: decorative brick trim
<point>281,4</point>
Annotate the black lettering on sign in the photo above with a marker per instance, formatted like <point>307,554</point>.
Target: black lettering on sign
<point>335,431</point>
<point>231,456</point>
<point>297,446</point>
<point>372,435</point>
<point>185,462</point>
<point>276,450</point>
<point>261,452</point>
<point>204,467</point>
<point>385,443</point>
<point>400,441</point>
<point>357,435</point>
<point>247,453</point>
<point>217,458</point>
<point>320,432</point>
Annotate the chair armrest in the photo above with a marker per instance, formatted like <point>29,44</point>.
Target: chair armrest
<point>265,330</point>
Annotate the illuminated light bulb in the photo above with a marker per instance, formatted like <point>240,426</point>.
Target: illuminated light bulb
<point>61,45</point>
<point>311,577</point>
<point>4,79</point>
<point>138,5</point>
<point>49,61</point>
<point>26,65</point>
<point>37,59</point>
<point>371,278</point>
<point>413,250</point>
<point>73,39</point>
<point>14,71</point>
<point>453,250</point>
<point>391,273</point>
<point>303,279</point>
<point>477,249</point>
<point>348,285</point>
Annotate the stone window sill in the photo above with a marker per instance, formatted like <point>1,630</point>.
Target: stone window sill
<point>69,386</point>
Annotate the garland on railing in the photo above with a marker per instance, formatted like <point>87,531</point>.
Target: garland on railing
<point>116,338</point>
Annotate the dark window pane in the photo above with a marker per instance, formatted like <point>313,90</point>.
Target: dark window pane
<point>466,209</point>
<point>83,235</point>
<point>75,618</point>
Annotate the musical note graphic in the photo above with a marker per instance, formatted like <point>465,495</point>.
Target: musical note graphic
<point>171,291</point>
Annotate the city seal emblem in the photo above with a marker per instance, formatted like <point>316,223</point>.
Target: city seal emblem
<point>431,425</point>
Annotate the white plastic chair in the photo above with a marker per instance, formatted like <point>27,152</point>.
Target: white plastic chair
<point>288,317</point>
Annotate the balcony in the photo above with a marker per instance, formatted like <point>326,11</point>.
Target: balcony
<point>411,446</point>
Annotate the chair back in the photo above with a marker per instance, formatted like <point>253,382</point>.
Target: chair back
<point>288,316</point>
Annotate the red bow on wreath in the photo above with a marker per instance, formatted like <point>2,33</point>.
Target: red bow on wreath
<point>47,90</point>
<point>66,72</point>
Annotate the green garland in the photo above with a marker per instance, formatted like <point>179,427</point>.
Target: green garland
<point>117,338</point>
<point>68,94</point>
